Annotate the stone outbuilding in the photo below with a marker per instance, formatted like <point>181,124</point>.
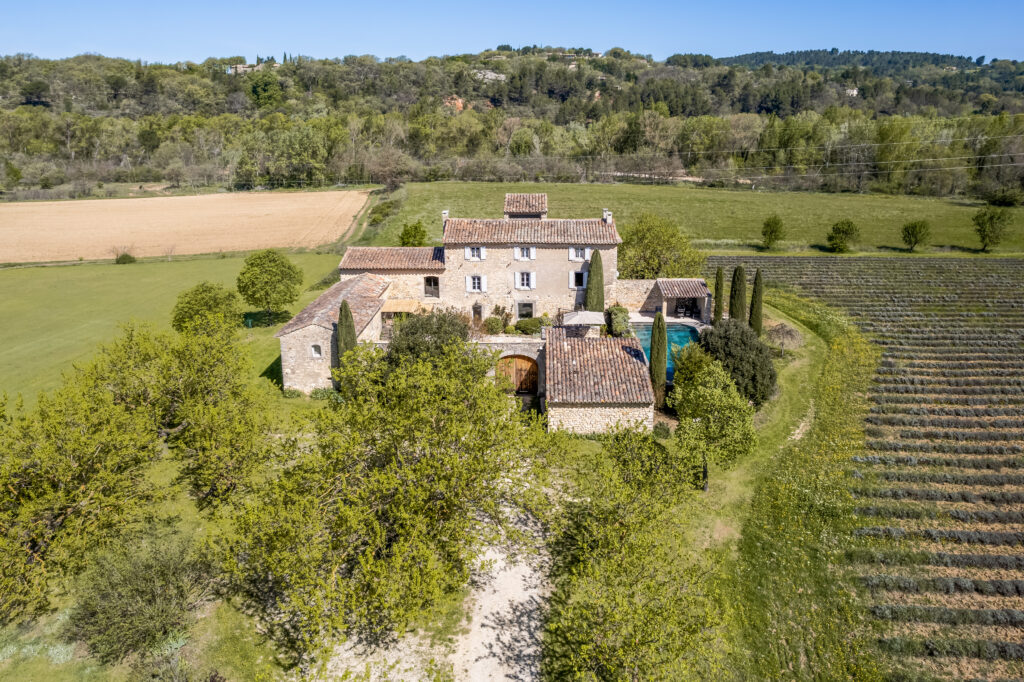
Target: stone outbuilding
<point>309,346</point>
<point>595,383</point>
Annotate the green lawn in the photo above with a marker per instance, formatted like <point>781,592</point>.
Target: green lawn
<point>56,316</point>
<point>729,219</point>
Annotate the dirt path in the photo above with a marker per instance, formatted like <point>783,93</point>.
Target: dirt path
<point>158,226</point>
<point>506,612</point>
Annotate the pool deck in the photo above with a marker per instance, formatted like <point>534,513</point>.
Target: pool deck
<point>648,318</point>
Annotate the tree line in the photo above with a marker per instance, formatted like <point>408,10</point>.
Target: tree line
<point>507,115</point>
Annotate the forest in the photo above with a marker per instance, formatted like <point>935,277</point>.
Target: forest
<point>894,122</point>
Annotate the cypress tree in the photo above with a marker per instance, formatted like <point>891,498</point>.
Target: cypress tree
<point>738,295</point>
<point>659,359</point>
<point>757,303</point>
<point>719,295</point>
<point>594,298</point>
<point>346,330</point>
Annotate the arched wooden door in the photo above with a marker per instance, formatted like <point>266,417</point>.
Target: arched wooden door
<point>521,371</point>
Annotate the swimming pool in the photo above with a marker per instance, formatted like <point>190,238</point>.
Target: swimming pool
<point>678,334</point>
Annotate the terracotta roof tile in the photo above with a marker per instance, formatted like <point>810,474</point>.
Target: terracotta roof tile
<point>393,258</point>
<point>596,371</point>
<point>363,293</point>
<point>525,204</point>
<point>529,231</point>
<point>693,287</point>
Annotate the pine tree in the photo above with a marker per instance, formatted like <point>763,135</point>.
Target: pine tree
<point>659,358</point>
<point>719,295</point>
<point>738,295</point>
<point>346,330</point>
<point>757,303</point>
<point>594,298</point>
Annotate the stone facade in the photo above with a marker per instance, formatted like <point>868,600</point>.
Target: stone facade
<point>586,419</point>
<point>405,284</point>
<point>551,268</point>
<point>301,369</point>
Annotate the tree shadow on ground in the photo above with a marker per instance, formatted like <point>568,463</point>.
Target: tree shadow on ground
<point>274,373</point>
<point>261,318</point>
<point>957,248</point>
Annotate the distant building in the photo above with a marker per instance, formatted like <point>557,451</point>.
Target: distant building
<point>237,69</point>
<point>852,92</point>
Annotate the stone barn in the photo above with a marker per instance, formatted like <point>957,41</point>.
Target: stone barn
<point>596,383</point>
<point>309,342</point>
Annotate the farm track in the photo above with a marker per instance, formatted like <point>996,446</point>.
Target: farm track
<point>940,485</point>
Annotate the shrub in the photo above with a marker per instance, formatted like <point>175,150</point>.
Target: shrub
<point>990,225</point>
<point>322,393</point>
<point>529,325</point>
<point>916,233</point>
<point>1006,196</point>
<point>618,320</point>
<point>747,360</point>
<point>292,393</point>
<point>772,231</point>
<point>124,258</point>
<point>842,236</point>
<point>510,329</point>
<point>413,234</point>
<point>662,431</point>
<point>494,325</point>
<point>203,303</point>
<point>545,320</point>
<point>426,336</point>
<point>136,596</point>
<point>382,211</point>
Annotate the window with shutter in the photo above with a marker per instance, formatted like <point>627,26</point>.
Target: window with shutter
<point>533,280</point>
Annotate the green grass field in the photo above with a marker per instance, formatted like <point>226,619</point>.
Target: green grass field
<point>727,219</point>
<point>56,316</point>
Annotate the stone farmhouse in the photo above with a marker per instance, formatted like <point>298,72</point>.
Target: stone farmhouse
<point>530,265</point>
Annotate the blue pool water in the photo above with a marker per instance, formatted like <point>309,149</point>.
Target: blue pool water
<point>678,334</point>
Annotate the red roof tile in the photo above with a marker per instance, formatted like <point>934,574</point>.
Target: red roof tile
<point>596,371</point>
<point>693,287</point>
<point>525,204</point>
<point>393,258</point>
<point>529,231</point>
<point>363,293</point>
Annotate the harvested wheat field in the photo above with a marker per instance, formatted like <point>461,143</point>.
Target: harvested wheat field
<point>160,226</point>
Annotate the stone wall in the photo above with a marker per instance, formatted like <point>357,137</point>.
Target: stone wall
<point>576,418</point>
<point>406,284</point>
<point>552,269</point>
<point>637,295</point>
<point>300,370</point>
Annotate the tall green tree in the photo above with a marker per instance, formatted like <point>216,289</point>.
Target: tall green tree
<point>772,232</point>
<point>659,358</point>
<point>719,295</point>
<point>990,225</point>
<point>269,280</point>
<point>594,297</point>
<point>757,304</point>
<point>653,246</point>
<point>716,423</point>
<point>204,304</point>
<point>843,235</point>
<point>346,330</point>
<point>738,295</point>
<point>367,527</point>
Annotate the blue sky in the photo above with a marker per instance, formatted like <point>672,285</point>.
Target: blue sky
<point>193,30</point>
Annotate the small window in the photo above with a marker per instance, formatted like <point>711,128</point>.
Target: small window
<point>524,280</point>
<point>477,283</point>
<point>525,310</point>
<point>474,252</point>
<point>524,253</point>
<point>317,352</point>
<point>431,287</point>
<point>579,279</point>
<point>579,253</point>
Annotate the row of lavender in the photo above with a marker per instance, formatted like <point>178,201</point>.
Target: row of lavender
<point>940,485</point>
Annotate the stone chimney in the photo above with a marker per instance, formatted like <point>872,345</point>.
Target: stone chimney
<point>444,219</point>
<point>607,216</point>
